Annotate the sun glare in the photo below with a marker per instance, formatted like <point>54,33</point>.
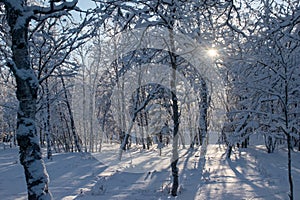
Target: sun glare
<point>212,52</point>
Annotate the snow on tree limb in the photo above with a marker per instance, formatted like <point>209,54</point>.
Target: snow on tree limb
<point>53,10</point>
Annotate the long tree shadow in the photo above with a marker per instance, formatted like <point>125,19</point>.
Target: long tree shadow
<point>273,167</point>
<point>232,179</point>
<point>71,173</point>
<point>150,183</point>
<point>247,171</point>
<point>189,165</point>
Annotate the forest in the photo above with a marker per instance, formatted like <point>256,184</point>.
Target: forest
<point>81,77</point>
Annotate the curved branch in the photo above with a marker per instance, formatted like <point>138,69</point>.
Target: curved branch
<point>66,5</point>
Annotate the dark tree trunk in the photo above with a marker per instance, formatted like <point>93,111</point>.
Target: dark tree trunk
<point>203,112</point>
<point>27,87</point>
<point>291,195</point>
<point>270,143</point>
<point>73,129</point>
<point>289,137</point>
<point>229,151</point>
<point>175,155</point>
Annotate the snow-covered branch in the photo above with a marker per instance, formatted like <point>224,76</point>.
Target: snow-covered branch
<point>54,10</point>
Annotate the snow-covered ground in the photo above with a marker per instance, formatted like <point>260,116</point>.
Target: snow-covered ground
<point>143,174</point>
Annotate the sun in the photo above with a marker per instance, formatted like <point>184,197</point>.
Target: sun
<point>212,52</point>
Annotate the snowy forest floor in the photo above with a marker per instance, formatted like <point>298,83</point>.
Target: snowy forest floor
<point>143,174</point>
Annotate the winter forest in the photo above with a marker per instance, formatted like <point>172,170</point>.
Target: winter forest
<point>139,99</point>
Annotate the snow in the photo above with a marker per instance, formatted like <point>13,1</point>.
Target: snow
<point>143,174</point>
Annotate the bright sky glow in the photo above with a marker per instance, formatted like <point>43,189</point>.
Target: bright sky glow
<point>212,52</point>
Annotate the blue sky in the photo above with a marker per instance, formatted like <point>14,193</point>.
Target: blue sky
<point>85,4</point>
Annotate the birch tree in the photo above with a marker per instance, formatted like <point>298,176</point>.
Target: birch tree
<point>20,15</point>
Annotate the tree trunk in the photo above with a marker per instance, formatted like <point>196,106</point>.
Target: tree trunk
<point>91,116</point>
<point>175,155</point>
<point>47,125</point>
<point>270,143</point>
<point>27,86</point>
<point>229,151</point>
<point>203,111</point>
<point>291,195</point>
<point>84,108</point>
<point>289,137</point>
<point>30,152</point>
<point>73,129</point>
<point>192,138</point>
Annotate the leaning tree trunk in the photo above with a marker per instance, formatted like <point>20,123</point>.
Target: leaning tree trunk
<point>73,129</point>
<point>27,87</point>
